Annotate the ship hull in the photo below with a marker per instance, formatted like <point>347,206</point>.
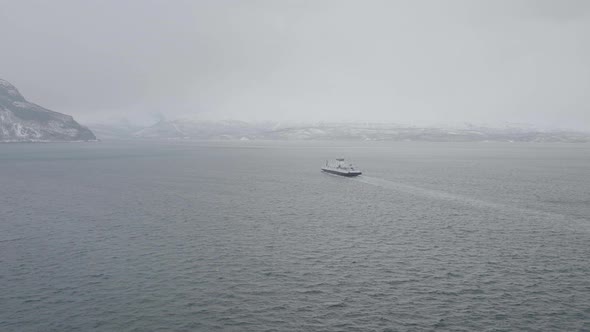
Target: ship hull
<point>347,174</point>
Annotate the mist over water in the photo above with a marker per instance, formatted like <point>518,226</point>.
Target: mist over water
<point>135,236</point>
<point>419,63</point>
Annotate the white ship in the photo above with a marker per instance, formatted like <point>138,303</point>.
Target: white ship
<point>339,167</point>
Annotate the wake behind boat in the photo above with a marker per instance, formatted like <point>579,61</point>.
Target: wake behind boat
<point>339,167</point>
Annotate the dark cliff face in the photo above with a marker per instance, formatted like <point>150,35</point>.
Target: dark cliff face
<point>22,121</point>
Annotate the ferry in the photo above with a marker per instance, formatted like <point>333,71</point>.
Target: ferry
<point>339,167</point>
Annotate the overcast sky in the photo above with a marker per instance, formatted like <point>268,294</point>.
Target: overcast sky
<point>413,61</point>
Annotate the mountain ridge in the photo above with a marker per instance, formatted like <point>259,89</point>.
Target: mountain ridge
<point>236,130</point>
<point>23,121</point>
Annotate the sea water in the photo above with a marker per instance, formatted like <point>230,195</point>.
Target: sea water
<point>251,236</point>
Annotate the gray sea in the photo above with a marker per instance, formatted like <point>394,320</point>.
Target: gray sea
<point>251,236</point>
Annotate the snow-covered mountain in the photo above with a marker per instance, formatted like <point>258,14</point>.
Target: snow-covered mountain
<point>22,121</point>
<point>197,129</point>
<point>394,132</point>
<point>192,129</point>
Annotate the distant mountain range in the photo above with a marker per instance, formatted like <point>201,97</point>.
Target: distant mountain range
<point>392,132</point>
<point>227,129</point>
<point>240,130</point>
<point>22,121</point>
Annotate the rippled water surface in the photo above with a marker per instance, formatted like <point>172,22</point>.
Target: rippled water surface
<point>250,236</point>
